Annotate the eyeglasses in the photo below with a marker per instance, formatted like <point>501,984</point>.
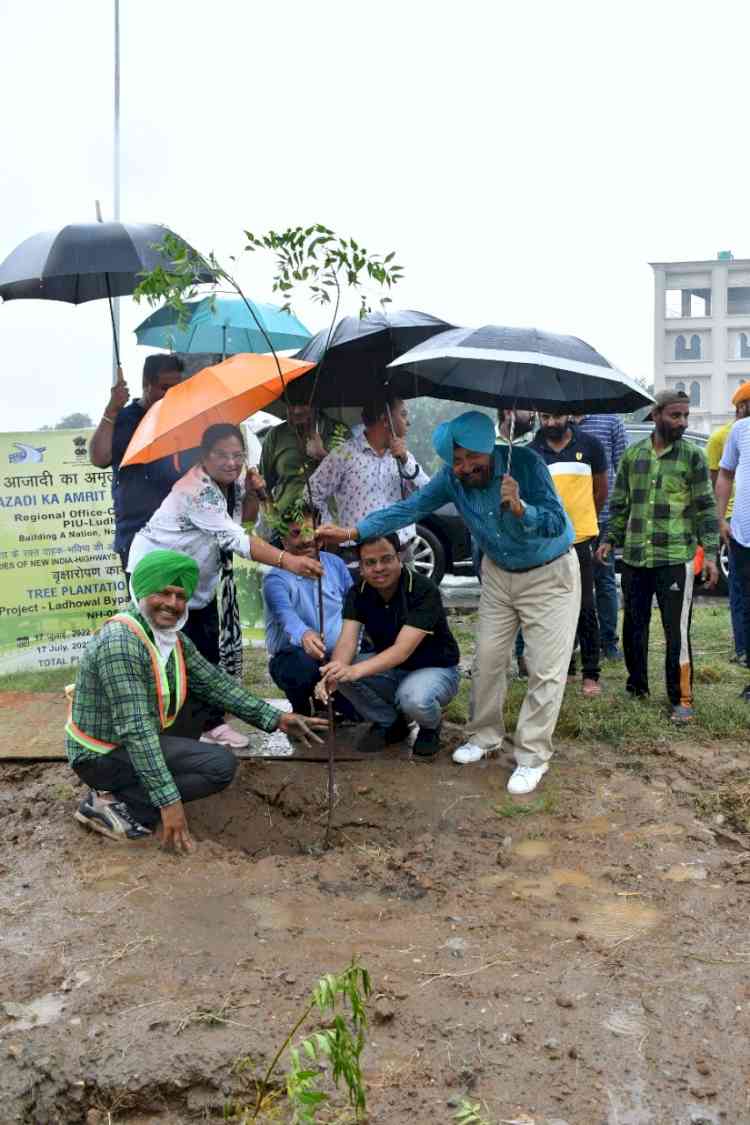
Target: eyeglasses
<point>384,560</point>
<point>228,458</point>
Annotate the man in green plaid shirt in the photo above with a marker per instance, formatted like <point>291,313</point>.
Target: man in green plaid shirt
<point>131,683</point>
<point>661,510</point>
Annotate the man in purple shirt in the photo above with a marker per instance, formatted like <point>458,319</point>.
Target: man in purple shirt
<point>610,431</point>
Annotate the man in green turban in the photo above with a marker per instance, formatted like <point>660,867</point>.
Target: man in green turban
<point>131,683</point>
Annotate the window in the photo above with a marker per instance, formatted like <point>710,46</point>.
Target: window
<point>695,394</point>
<point>738,300</point>
<point>743,346</point>
<point>682,351</point>
<point>687,302</point>
<point>680,386</point>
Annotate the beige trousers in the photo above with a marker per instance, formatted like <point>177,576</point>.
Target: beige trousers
<point>545,603</point>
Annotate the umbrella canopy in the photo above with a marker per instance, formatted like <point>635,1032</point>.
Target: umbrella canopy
<point>222,324</point>
<point>83,262</point>
<point>227,392</point>
<point>496,366</point>
<point>353,358</point>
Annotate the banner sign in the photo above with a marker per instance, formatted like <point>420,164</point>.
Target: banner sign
<point>59,577</point>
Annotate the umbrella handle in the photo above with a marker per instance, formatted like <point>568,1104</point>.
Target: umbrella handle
<point>112,318</point>
<point>261,493</point>
<point>505,504</point>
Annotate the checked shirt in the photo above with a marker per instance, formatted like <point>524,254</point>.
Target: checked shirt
<point>663,506</point>
<point>116,701</point>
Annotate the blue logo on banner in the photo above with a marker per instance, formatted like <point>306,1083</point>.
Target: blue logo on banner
<point>27,453</point>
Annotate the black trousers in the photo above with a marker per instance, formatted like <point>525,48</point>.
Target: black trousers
<point>198,768</point>
<point>588,621</point>
<point>741,564</point>
<point>672,586</point>
<point>202,626</point>
<point>296,674</point>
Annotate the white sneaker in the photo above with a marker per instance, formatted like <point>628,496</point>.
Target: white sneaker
<point>469,752</point>
<point>525,779</point>
<point>224,735</point>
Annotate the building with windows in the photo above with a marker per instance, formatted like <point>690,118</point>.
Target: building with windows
<point>702,333</point>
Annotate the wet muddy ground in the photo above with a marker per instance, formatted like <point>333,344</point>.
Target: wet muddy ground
<point>582,956</point>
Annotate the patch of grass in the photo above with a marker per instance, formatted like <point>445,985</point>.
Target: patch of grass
<point>54,679</point>
<point>732,801</point>
<point>709,674</point>
<point>614,719</point>
<point>63,791</point>
<point>457,710</point>
<point>545,804</point>
<point>255,675</point>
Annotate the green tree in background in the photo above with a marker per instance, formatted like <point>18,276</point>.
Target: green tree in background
<point>71,422</point>
<point>425,415</point>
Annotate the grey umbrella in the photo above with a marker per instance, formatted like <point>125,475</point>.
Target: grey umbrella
<point>521,367</point>
<point>84,262</point>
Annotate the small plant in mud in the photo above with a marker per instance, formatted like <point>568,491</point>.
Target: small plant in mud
<point>545,803</point>
<point>470,1113</point>
<point>337,1046</point>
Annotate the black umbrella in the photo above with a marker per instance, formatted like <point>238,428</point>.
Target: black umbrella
<point>84,262</point>
<point>516,367</point>
<point>352,359</point>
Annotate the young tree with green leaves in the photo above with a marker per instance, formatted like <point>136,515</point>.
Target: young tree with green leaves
<point>311,259</point>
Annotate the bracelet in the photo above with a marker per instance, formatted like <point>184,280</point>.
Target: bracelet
<point>278,561</point>
<point>106,418</point>
<point>408,476</point>
<point>352,534</point>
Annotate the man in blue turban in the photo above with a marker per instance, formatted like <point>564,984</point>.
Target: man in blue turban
<point>131,683</point>
<point>530,579</point>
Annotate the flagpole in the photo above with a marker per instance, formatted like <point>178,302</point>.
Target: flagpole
<point>116,176</point>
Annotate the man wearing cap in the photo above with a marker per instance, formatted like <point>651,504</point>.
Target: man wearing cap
<point>131,683</point>
<point>661,510</point>
<point>734,471</point>
<point>714,453</point>
<point>530,579</point>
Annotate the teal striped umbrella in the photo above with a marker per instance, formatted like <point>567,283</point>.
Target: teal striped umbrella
<point>222,325</point>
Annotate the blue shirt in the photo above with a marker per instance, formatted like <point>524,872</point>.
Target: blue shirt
<point>736,458</point>
<point>291,604</point>
<point>542,534</point>
<point>138,490</point>
<point>610,431</point>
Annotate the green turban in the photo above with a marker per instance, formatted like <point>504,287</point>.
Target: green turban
<point>159,569</point>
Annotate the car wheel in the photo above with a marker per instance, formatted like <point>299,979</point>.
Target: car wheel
<point>428,556</point>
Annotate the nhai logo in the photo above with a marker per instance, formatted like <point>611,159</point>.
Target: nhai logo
<point>27,453</point>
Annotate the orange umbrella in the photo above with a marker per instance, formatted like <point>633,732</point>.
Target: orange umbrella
<point>228,392</point>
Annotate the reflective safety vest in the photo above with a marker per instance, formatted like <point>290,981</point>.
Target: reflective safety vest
<point>163,693</point>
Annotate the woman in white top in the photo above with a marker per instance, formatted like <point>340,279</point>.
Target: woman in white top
<point>202,517</point>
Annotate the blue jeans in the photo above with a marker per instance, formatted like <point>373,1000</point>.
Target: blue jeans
<point>418,696</point>
<point>736,607</point>
<point>605,585</point>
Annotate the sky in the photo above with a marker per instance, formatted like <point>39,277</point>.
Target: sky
<point>525,161</point>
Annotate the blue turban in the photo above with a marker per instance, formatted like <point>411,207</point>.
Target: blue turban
<point>471,430</point>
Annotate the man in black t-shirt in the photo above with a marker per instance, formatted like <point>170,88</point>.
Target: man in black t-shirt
<point>414,672</point>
